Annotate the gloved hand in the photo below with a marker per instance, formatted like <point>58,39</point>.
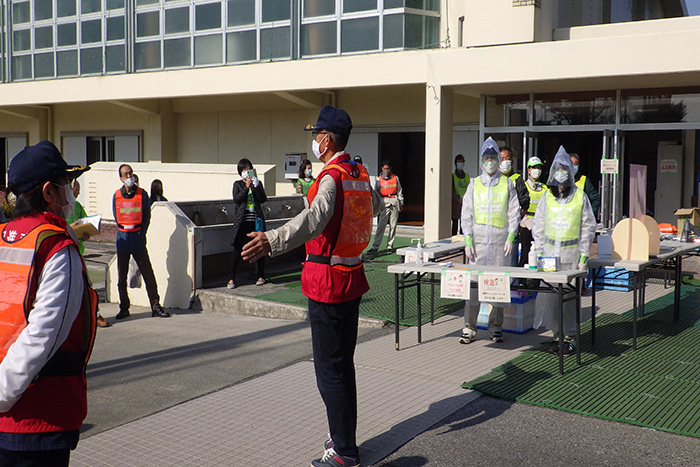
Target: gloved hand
<point>255,181</point>
<point>582,262</point>
<point>508,249</point>
<point>470,252</point>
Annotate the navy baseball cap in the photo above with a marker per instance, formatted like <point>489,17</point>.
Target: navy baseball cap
<point>36,165</point>
<point>333,120</point>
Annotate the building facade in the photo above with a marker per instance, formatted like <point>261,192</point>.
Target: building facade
<point>201,81</point>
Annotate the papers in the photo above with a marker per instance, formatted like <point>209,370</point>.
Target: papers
<point>90,224</point>
<point>494,287</point>
<point>455,284</point>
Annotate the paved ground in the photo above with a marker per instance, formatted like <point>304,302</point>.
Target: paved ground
<point>221,389</point>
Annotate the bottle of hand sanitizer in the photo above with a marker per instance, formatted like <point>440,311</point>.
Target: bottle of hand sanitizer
<point>419,252</point>
<point>532,257</point>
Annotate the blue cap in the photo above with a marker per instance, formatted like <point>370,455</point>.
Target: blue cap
<point>36,165</point>
<point>333,120</point>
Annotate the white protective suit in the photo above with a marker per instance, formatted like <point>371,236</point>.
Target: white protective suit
<point>547,304</point>
<point>489,241</point>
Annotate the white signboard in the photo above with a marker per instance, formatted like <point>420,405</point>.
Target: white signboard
<point>668,165</point>
<point>494,287</point>
<point>455,284</point>
<point>410,257</point>
<point>609,166</point>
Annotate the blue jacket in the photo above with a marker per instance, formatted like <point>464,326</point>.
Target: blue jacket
<point>133,242</point>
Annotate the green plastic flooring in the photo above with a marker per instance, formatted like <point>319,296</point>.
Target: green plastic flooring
<point>379,301</point>
<point>656,386</point>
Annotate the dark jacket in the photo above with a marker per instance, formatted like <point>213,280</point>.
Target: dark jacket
<point>523,193</point>
<point>240,197</point>
<point>592,193</point>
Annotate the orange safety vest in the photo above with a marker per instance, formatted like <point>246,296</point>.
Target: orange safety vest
<point>333,269</point>
<point>56,400</point>
<point>129,211</point>
<point>388,188</point>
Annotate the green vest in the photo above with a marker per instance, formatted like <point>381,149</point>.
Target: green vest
<point>535,197</point>
<point>563,221</point>
<point>497,209</point>
<point>514,176</point>
<point>581,182</point>
<point>460,184</point>
<point>305,185</point>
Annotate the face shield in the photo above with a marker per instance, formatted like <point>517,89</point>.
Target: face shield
<point>562,171</point>
<point>490,156</point>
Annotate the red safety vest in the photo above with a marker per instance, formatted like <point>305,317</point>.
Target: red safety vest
<point>333,270</point>
<point>388,188</point>
<point>129,211</point>
<point>56,400</point>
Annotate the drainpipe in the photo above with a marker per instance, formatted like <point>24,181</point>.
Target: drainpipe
<point>460,31</point>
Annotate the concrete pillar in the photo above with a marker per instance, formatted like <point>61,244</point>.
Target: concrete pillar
<point>438,162</point>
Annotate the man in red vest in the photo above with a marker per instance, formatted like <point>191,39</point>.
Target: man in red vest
<point>132,211</point>
<point>48,314</point>
<point>336,228</point>
<point>389,187</point>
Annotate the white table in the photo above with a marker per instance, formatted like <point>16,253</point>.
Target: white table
<point>670,258</point>
<point>435,250</point>
<point>567,284</point>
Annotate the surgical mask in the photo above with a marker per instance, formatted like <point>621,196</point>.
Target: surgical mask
<point>316,148</point>
<point>575,169</point>
<point>129,182</point>
<point>490,167</point>
<point>460,165</point>
<point>244,174</point>
<point>561,176</point>
<point>506,166</point>
<point>536,174</point>
<point>386,174</point>
<point>308,172</point>
<point>69,207</point>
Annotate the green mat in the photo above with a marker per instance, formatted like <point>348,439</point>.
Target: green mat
<point>656,386</point>
<point>379,301</point>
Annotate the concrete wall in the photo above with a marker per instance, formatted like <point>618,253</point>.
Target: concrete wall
<point>181,182</point>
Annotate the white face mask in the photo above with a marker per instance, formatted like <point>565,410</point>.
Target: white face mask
<point>69,207</point>
<point>575,169</point>
<point>316,147</point>
<point>561,176</point>
<point>129,182</point>
<point>535,173</point>
<point>506,166</point>
<point>308,172</point>
<point>460,165</point>
<point>244,174</point>
<point>490,167</point>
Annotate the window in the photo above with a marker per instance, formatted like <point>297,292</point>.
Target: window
<point>208,16</point>
<point>177,20</point>
<point>208,50</point>
<point>43,9</point>
<point>241,46</point>
<point>354,38</point>
<point>319,38</point>
<point>241,12</point>
<point>313,8</point>
<point>275,10</point>
<point>176,52</point>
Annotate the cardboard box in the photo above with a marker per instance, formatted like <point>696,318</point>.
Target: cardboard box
<point>691,214</point>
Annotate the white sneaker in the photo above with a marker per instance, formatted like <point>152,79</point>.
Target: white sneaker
<point>468,336</point>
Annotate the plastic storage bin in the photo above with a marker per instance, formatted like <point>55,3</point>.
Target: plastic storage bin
<point>611,279</point>
<point>518,317</point>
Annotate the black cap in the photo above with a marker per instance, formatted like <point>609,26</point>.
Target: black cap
<point>333,120</point>
<point>35,165</point>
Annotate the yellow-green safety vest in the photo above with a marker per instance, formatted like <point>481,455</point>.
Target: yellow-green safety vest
<point>563,220</point>
<point>460,184</point>
<point>535,197</point>
<point>497,209</point>
<point>581,182</point>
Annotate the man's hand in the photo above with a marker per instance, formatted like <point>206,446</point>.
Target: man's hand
<point>508,248</point>
<point>248,182</point>
<point>255,249</point>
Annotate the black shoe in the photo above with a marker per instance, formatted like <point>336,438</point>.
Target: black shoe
<point>122,314</point>
<point>553,347</point>
<point>332,459</point>
<point>159,312</point>
<point>569,348</point>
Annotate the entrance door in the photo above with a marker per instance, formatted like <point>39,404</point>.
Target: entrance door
<point>406,152</point>
<point>669,180</point>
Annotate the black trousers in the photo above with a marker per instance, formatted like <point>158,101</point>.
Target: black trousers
<point>53,458</point>
<point>525,240</point>
<point>333,337</point>
<point>238,244</point>
<point>144,263</point>
<point>456,226</point>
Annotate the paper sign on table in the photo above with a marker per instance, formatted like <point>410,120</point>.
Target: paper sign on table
<point>455,284</point>
<point>494,287</point>
<point>410,257</point>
